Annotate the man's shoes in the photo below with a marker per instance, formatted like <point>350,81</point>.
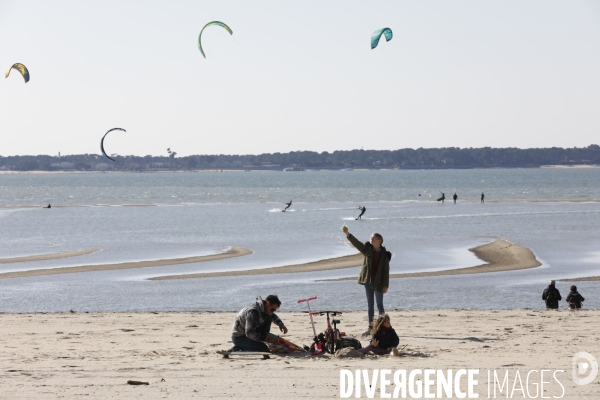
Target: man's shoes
<point>234,348</point>
<point>395,352</point>
<point>366,333</point>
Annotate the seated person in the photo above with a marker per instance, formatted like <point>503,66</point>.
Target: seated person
<point>252,325</point>
<point>385,340</point>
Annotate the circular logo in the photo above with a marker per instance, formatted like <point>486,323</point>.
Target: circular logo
<point>582,364</point>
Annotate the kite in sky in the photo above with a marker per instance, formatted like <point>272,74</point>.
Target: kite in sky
<point>209,24</point>
<point>387,32</point>
<point>102,141</point>
<point>21,68</point>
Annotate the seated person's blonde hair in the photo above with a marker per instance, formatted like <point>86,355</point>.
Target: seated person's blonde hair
<point>378,323</point>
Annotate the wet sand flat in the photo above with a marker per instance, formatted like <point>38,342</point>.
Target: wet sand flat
<point>322,265</point>
<point>233,252</point>
<point>500,255</point>
<point>585,279</point>
<point>51,256</point>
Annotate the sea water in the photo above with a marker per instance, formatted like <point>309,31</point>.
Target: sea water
<point>149,216</point>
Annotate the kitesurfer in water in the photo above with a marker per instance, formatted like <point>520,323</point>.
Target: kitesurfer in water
<point>362,211</point>
<point>442,198</point>
<point>288,206</point>
<point>455,197</point>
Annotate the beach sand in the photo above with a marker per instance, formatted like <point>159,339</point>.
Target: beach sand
<point>233,252</point>
<point>92,356</point>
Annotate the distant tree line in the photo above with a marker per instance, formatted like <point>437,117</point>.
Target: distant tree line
<point>442,158</point>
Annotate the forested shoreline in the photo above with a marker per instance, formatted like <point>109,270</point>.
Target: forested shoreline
<point>431,158</point>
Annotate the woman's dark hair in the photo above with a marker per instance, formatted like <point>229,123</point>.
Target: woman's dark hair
<point>273,299</point>
<point>573,288</point>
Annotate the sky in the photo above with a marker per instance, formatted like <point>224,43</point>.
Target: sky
<point>297,76</point>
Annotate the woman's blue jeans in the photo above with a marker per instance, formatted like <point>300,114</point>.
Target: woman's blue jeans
<point>372,296</point>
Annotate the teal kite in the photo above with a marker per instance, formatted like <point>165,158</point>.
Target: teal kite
<point>102,141</point>
<point>21,68</point>
<point>218,23</point>
<point>377,34</point>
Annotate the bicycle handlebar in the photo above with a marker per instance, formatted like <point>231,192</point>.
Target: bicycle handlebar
<point>334,313</point>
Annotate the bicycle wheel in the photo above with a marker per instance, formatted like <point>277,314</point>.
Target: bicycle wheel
<point>330,343</point>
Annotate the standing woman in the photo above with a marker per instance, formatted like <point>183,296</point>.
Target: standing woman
<point>375,272</point>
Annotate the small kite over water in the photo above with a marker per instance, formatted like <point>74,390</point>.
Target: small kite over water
<point>387,32</point>
<point>19,67</point>
<point>102,141</point>
<point>218,23</point>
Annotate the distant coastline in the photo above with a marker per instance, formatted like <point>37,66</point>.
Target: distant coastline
<point>272,170</point>
<point>298,161</point>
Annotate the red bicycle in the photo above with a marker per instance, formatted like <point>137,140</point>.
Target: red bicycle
<point>331,338</point>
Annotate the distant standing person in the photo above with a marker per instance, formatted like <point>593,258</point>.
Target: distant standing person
<point>482,197</point>
<point>288,206</point>
<point>574,298</point>
<point>374,274</point>
<point>362,211</point>
<point>551,295</point>
<point>455,197</point>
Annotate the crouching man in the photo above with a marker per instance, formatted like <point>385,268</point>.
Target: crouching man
<point>252,325</point>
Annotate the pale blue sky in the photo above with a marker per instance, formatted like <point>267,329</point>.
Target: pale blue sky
<point>298,75</point>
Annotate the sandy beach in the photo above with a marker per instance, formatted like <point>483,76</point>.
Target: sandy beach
<point>233,252</point>
<point>73,355</point>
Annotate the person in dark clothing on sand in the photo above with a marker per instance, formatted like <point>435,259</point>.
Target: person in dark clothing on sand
<point>362,211</point>
<point>252,325</point>
<point>384,340</point>
<point>551,296</point>
<point>482,197</point>
<point>442,198</point>
<point>455,197</point>
<point>49,206</point>
<point>574,298</point>
<point>288,206</point>
<point>375,272</point>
